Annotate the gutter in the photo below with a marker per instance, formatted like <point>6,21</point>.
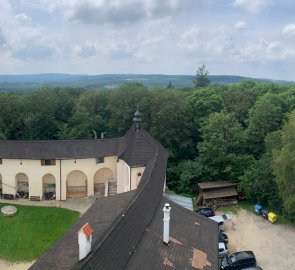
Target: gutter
<point>60,179</point>
<point>129,178</point>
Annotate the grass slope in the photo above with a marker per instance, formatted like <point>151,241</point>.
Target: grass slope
<point>32,231</point>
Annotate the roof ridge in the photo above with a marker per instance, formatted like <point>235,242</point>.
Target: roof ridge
<point>60,140</point>
<point>132,207</point>
<point>120,218</point>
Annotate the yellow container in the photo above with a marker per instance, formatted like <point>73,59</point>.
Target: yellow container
<point>272,217</point>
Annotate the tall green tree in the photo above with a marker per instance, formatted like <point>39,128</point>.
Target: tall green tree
<point>239,99</point>
<point>284,167</point>
<point>201,78</point>
<point>258,183</point>
<point>81,125</point>
<point>222,150</point>
<point>264,117</point>
<point>122,106</point>
<point>12,115</point>
<point>171,122</point>
<point>204,102</point>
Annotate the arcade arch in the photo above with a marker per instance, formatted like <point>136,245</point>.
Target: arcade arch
<point>49,185</point>
<point>76,184</point>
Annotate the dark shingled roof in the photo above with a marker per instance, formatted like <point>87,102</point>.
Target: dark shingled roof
<point>132,231</point>
<point>136,148</point>
<point>115,251</point>
<point>140,147</point>
<point>58,149</point>
<point>64,254</point>
<point>190,230</point>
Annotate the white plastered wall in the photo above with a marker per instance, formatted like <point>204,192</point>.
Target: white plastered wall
<point>123,176</point>
<point>35,173</point>
<point>136,174</point>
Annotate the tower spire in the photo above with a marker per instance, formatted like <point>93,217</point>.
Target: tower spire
<point>137,119</point>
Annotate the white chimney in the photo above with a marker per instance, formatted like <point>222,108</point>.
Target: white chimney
<point>166,220</point>
<point>84,240</point>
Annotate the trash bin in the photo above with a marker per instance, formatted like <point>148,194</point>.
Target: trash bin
<point>258,209</point>
<point>265,214</point>
<point>272,217</point>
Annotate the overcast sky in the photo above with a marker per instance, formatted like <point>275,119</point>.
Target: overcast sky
<point>235,37</point>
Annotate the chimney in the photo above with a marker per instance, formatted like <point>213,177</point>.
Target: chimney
<point>84,240</point>
<point>166,220</point>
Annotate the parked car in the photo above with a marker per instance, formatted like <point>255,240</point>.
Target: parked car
<point>206,211</point>
<point>220,220</point>
<point>222,249</point>
<point>221,226</point>
<point>222,237</point>
<point>238,260</point>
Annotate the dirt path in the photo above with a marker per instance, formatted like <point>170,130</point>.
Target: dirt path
<point>273,244</point>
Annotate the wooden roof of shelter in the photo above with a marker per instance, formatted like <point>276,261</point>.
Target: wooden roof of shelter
<point>221,193</point>
<point>215,184</point>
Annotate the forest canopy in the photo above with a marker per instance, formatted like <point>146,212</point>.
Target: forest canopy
<point>242,132</point>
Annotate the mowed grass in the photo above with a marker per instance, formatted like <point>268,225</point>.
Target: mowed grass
<point>32,231</point>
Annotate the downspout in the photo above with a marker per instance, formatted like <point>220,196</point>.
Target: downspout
<point>130,178</point>
<point>60,179</point>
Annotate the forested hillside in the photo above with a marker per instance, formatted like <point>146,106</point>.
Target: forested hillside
<point>242,132</point>
<point>36,81</point>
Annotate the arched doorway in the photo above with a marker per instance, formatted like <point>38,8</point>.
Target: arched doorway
<point>49,187</point>
<point>22,185</point>
<point>76,184</point>
<point>100,178</point>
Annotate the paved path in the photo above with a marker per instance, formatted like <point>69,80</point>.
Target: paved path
<point>76,204</point>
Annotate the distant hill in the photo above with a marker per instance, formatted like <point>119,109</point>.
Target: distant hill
<point>36,81</point>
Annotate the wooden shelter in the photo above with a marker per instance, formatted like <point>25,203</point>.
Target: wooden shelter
<point>217,193</point>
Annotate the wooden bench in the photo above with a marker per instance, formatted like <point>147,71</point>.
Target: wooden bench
<point>35,198</point>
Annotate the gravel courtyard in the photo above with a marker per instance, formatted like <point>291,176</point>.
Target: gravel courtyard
<point>273,244</point>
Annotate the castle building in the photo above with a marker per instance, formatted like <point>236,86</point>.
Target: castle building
<point>123,231</point>
<point>75,168</point>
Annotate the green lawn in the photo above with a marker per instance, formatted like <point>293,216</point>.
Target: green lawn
<point>27,235</point>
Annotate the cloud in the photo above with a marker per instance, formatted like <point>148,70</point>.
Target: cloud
<point>207,43</point>
<point>115,11</point>
<point>266,51</point>
<point>252,6</point>
<point>90,13</point>
<point>222,44</point>
<point>86,50</point>
<point>23,17</point>
<point>289,29</point>
<point>241,25</point>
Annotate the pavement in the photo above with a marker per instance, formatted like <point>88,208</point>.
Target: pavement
<point>75,204</point>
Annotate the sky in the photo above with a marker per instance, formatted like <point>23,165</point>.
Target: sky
<point>253,38</point>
